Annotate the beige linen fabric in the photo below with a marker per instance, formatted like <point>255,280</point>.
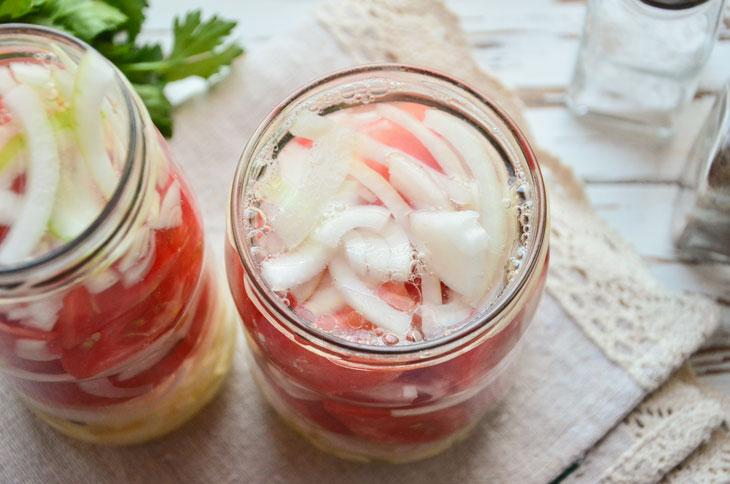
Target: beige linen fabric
<point>570,390</point>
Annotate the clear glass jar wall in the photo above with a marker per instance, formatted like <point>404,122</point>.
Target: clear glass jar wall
<point>376,396</point>
<point>121,332</point>
<point>639,63</point>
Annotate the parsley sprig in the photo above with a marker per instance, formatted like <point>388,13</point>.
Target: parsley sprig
<point>111,26</point>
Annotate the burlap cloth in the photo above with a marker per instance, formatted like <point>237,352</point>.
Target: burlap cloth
<point>605,337</point>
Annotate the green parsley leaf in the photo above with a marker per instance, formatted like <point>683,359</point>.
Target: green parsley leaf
<point>14,9</point>
<point>194,50</point>
<point>158,106</point>
<point>134,10</point>
<point>86,19</point>
<point>198,45</point>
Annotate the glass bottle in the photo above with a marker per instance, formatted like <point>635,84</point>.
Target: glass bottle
<point>639,60</point>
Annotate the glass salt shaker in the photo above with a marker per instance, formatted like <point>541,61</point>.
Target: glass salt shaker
<point>640,60</point>
<point>702,208</point>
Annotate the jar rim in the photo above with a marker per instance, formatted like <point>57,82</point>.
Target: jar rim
<point>485,316</point>
<point>70,248</point>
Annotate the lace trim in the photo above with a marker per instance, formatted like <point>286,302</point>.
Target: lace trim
<point>668,427</point>
<point>710,464</point>
<point>604,286</point>
<point>664,430</point>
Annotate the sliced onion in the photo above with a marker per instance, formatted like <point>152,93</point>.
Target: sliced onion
<point>6,80</point>
<point>42,175</point>
<point>63,80</point>
<point>41,314</point>
<point>368,254</point>
<point>365,301</point>
<point>431,289</point>
<point>296,266</point>
<point>441,152</point>
<point>304,291</point>
<point>401,252</point>
<point>144,261</point>
<point>78,202</point>
<point>299,209</point>
<point>292,164</point>
<point>330,231</point>
<point>419,188</point>
<point>94,77</point>
<point>382,189</point>
<point>313,127</point>
<point>103,387</point>
<point>326,299</point>
<point>437,318</point>
<point>458,249</point>
<point>10,202</point>
<point>482,160</point>
<point>31,74</point>
<point>33,349</point>
<point>102,281</point>
<point>170,209</point>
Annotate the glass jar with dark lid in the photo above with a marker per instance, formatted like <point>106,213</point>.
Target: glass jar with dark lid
<point>640,60</point>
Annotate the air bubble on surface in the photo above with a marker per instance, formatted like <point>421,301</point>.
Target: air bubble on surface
<point>390,339</point>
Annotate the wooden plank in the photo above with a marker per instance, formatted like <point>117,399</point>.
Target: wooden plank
<point>641,213</point>
<point>600,152</point>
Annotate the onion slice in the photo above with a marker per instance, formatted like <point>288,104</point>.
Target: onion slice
<point>401,252</point>
<point>296,266</point>
<point>368,254</point>
<point>298,209</point>
<point>10,202</point>
<point>326,299</point>
<point>365,301</point>
<point>42,175</point>
<point>441,152</point>
<point>413,181</point>
<point>436,318</point>
<point>78,202</point>
<point>458,249</point>
<point>382,189</point>
<point>94,77</point>
<point>330,230</point>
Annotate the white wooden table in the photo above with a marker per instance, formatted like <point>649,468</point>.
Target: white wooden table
<point>531,46</point>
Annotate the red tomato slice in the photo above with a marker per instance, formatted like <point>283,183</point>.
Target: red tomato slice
<point>99,332</point>
<point>399,296</point>
<point>307,143</point>
<point>379,425</point>
<point>402,139</point>
<point>289,352</point>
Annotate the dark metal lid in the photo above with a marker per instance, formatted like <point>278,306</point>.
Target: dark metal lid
<point>674,4</point>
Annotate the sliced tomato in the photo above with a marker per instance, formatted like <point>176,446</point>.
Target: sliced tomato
<point>401,296</point>
<point>180,352</point>
<point>398,137</point>
<point>292,354</point>
<point>101,331</point>
<point>307,143</point>
<point>380,425</point>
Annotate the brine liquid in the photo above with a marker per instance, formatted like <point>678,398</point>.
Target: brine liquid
<point>387,223</point>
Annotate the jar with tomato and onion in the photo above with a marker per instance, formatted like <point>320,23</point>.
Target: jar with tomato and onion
<point>387,249</point>
<point>113,325</point>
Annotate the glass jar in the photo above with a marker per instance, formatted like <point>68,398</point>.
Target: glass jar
<point>123,332</point>
<point>368,400</point>
<point>702,207</point>
<point>640,60</point>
